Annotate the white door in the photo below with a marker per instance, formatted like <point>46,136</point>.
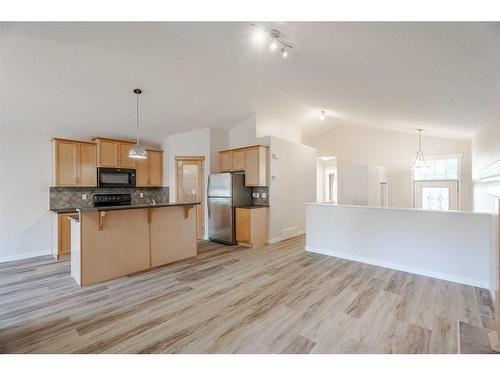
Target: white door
<point>436,195</point>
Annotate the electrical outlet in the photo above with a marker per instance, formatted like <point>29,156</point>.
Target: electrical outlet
<point>255,195</point>
<point>141,195</point>
<point>264,195</point>
<point>84,197</point>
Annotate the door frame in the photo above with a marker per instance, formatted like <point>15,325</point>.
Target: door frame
<point>201,211</point>
<point>430,182</point>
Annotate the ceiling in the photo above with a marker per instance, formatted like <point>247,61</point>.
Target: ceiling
<point>76,79</point>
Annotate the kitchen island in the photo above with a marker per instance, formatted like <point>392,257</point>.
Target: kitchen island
<point>109,242</point>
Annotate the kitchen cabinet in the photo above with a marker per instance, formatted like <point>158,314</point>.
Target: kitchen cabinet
<point>113,153</point>
<point>225,161</point>
<point>149,172</point>
<point>75,163</point>
<point>239,157</point>
<point>252,160</point>
<point>64,234</point>
<point>251,226</point>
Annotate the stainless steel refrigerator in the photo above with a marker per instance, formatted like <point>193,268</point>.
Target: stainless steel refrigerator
<point>225,192</point>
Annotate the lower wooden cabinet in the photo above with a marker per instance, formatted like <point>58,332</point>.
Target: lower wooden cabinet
<point>63,234</point>
<point>252,226</point>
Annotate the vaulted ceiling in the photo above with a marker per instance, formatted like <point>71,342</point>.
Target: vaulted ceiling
<point>76,79</point>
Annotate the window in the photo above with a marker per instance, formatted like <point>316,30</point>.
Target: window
<point>439,169</point>
<point>436,187</point>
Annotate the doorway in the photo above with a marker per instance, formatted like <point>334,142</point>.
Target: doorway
<point>190,186</point>
<point>436,195</point>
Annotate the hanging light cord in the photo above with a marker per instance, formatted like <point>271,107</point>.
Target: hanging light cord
<point>137,117</point>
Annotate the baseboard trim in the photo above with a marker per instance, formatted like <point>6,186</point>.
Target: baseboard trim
<point>279,239</point>
<point>11,258</point>
<point>404,268</point>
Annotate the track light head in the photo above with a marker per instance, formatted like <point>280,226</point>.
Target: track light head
<point>284,52</point>
<point>322,115</point>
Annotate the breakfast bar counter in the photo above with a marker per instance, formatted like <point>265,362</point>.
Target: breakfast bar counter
<point>118,240</point>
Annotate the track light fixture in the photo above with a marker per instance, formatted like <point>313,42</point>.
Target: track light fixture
<point>274,37</point>
<point>322,115</point>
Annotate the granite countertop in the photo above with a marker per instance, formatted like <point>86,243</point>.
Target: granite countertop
<point>113,208</point>
<point>135,206</point>
<point>252,206</point>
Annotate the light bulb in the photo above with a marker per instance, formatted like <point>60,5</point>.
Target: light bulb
<point>284,53</point>
<point>322,115</point>
<point>273,45</point>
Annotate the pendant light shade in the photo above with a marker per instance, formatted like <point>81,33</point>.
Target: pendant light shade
<point>137,151</point>
<point>419,162</point>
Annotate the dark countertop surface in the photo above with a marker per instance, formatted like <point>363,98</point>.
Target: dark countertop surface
<point>114,208</point>
<point>251,206</point>
<point>135,206</point>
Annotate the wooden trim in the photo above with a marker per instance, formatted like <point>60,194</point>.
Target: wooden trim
<point>101,219</point>
<point>186,211</point>
<point>242,148</point>
<point>190,158</point>
<point>55,139</point>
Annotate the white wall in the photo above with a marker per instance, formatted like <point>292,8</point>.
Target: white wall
<point>322,166</point>
<point>244,133</point>
<point>354,146</point>
<point>452,246</point>
<point>26,174</point>
<point>294,184</point>
<point>270,126</point>
<point>219,140</point>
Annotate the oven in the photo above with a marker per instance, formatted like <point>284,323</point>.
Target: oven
<point>115,177</point>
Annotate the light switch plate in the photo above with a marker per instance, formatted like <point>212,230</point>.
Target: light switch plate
<point>141,195</point>
<point>84,197</point>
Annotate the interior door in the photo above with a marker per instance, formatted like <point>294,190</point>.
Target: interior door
<point>436,195</point>
<point>190,187</point>
<point>220,219</point>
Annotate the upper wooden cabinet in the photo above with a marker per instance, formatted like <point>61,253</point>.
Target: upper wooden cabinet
<point>112,153</point>
<point>149,172</point>
<point>75,163</point>
<point>252,160</point>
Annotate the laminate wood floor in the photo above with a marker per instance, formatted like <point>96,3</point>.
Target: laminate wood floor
<point>274,299</point>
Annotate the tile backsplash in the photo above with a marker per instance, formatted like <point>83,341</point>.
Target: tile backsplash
<point>261,201</point>
<point>71,197</point>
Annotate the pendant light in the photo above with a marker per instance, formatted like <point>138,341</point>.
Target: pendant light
<point>419,158</point>
<point>137,151</point>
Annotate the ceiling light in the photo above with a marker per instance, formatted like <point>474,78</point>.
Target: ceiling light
<point>284,53</point>
<point>137,151</point>
<point>326,158</point>
<point>322,115</point>
<point>419,162</point>
<point>259,35</point>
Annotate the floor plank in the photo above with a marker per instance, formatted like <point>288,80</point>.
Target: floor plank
<point>273,299</point>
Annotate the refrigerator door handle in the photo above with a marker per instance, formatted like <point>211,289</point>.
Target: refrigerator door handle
<point>208,189</point>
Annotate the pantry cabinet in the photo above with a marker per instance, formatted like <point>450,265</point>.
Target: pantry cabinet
<point>252,160</point>
<point>75,163</point>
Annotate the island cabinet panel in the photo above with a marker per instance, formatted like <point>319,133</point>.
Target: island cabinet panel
<point>66,159</point>
<point>87,164</point>
<point>123,160</point>
<point>173,234</point>
<point>119,248</point>
<point>107,153</point>
<point>155,168</point>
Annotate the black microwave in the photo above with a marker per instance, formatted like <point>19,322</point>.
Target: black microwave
<point>115,177</point>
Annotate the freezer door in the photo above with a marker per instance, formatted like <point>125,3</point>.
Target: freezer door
<point>220,220</point>
<point>219,185</point>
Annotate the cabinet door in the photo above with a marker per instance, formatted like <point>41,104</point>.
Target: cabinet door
<point>243,225</point>
<point>256,166</point>
<point>87,165</point>
<point>155,161</point>
<point>107,153</point>
<point>64,234</point>
<point>66,163</point>
<point>238,160</point>
<point>141,172</point>
<point>225,161</point>
<point>123,160</point>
